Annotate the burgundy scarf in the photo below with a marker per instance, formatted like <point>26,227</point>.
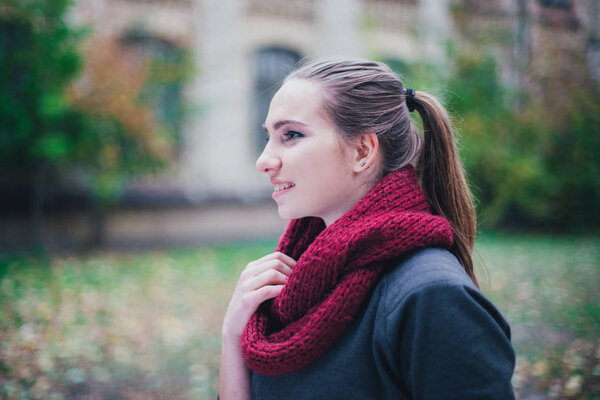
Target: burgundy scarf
<point>336,269</point>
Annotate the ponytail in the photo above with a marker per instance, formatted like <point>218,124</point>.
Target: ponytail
<point>443,178</point>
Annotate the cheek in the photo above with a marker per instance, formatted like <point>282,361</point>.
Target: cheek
<point>328,167</point>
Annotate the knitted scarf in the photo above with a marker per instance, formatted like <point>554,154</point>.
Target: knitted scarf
<point>335,271</point>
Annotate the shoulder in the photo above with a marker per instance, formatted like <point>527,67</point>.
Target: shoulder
<point>441,334</point>
<point>422,277</point>
<point>429,282</point>
<point>423,269</point>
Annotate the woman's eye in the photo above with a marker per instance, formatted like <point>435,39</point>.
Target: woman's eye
<point>289,135</point>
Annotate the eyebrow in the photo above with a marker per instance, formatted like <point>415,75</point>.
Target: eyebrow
<point>284,122</point>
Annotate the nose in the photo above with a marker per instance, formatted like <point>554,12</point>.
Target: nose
<point>268,161</point>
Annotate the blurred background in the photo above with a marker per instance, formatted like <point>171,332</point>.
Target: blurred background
<point>130,202</point>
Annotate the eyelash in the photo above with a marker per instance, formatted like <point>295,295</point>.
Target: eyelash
<point>290,135</point>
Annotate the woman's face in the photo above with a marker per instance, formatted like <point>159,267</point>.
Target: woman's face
<point>307,162</point>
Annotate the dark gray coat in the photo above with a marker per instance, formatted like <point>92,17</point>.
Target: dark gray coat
<point>426,333</point>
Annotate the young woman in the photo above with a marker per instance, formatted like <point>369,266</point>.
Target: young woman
<point>371,292</point>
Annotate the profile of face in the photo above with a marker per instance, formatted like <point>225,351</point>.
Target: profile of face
<point>314,171</point>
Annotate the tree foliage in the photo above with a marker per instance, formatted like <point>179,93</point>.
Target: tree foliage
<point>534,165</point>
<point>531,165</point>
<point>38,58</point>
<point>531,151</point>
<point>70,102</point>
<point>66,101</point>
<point>123,137</point>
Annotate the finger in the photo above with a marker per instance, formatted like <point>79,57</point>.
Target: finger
<point>287,260</point>
<point>268,277</point>
<point>253,299</point>
<point>274,264</point>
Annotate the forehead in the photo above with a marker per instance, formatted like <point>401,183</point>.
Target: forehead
<point>297,99</point>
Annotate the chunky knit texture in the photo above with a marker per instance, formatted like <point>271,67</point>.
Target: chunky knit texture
<point>335,271</point>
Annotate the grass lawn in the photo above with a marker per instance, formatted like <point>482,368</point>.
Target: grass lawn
<point>146,325</point>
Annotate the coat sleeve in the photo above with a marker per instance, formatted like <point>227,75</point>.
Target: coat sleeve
<point>450,342</point>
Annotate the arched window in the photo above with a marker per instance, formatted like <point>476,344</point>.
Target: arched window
<point>271,66</point>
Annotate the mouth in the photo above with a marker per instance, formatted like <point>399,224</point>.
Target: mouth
<point>282,186</point>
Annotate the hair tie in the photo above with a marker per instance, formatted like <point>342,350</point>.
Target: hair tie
<point>410,99</point>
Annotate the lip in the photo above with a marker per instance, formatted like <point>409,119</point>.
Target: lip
<point>278,194</point>
<point>278,182</point>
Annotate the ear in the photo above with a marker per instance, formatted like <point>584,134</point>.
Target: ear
<point>366,149</point>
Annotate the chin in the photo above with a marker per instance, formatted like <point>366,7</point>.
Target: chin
<point>286,213</point>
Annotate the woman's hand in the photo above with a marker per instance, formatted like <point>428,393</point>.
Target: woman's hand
<point>261,280</point>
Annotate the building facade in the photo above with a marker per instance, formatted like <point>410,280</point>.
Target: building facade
<point>241,50</point>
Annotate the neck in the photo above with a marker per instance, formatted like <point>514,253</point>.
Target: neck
<point>349,200</point>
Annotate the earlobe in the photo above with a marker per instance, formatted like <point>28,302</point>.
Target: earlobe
<point>366,151</point>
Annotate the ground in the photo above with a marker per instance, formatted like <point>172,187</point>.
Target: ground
<point>145,324</point>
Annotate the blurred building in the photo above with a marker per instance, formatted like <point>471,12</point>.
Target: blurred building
<point>241,51</point>
<point>243,48</point>
<point>534,41</point>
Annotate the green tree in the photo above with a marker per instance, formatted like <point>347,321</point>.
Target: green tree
<point>536,165</point>
<point>38,58</point>
<point>126,135</point>
<point>103,124</point>
<point>533,154</point>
